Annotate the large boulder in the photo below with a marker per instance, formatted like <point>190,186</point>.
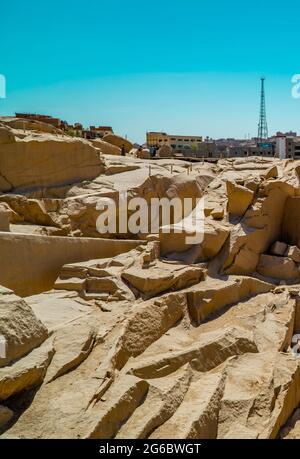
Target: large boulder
<point>261,392</point>
<point>118,141</point>
<point>143,154</point>
<point>47,160</point>
<point>278,267</point>
<point>259,228</point>
<point>161,277</point>
<point>213,295</point>
<point>165,151</point>
<point>30,125</point>
<point>140,270</point>
<point>26,372</point>
<point>106,147</point>
<point>271,173</point>
<point>20,330</point>
<point>239,198</point>
<point>293,252</point>
<point>35,211</point>
<point>193,246</point>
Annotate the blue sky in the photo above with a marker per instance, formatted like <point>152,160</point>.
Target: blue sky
<point>180,66</point>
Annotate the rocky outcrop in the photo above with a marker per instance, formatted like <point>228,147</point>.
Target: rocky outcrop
<point>118,141</point>
<point>161,277</point>
<point>213,294</point>
<point>165,151</point>
<point>251,404</point>
<point>38,259</point>
<point>142,154</point>
<point>20,330</point>
<point>106,147</point>
<point>27,372</point>
<point>278,267</point>
<point>181,335</point>
<point>194,420</point>
<point>25,124</point>
<point>259,228</point>
<point>72,345</point>
<point>39,161</point>
<point>239,199</point>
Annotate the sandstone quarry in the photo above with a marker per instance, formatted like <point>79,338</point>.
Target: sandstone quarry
<point>148,335</point>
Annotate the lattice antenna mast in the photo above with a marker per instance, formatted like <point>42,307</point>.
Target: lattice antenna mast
<point>262,125</point>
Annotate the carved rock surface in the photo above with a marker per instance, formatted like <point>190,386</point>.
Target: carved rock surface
<point>188,335</point>
<point>20,329</point>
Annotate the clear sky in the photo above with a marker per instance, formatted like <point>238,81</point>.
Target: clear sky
<point>180,66</point>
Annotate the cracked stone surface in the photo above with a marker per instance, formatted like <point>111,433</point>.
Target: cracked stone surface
<point>164,339</point>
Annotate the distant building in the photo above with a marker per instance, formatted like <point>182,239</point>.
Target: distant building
<point>287,134</point>
<point>157,138</point>
<point>206,149</point>
<point>194,146</point>
<point>185,144</point>
<point>254,149</point>
<point>287,146</point>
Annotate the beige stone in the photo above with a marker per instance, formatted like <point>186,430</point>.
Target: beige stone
<point>293,252</point>
<point>127,395</point>
<point>197,416</point>
<point>143,154</point>
<point>254,389</point>
<point>271,173</point>
<point>161,403</point>
<point>260,227</point>
<point>212,349</point>
<point>38,259</point>
<point>72,345</point>
<point>29,125</point>
<point>19,327</point>
<point>165,151</point>
<point>106,147</point>
<point>150,335</point>
<point>212,295</point>
<point>118,141</point>
<point>44,161</point>
<point>239,199</point>
<point>27,372</point>
<point>277,267</point>
<point>217,214</point>
<point>161,277</point>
